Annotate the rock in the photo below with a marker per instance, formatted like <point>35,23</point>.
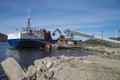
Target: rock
<point>116,53</point>
<point>91,67</point>
<point>46,60</point>
<point>64,57</point>
<point>41,77</point>
<point>41,68</point>
<point>40,73</point>
<point>48,65</point>
<point>54,78</point>
<point>57,68</point>
<point>44,75</point>
<point>48,75</point>
<point>40,65</point>
<point>63,74</point>
<point>86,61</point>
<point>31,72</point>
<point>105,54</point>
<point>12,69</point>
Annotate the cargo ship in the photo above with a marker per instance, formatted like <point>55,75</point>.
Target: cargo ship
<point>30,38</point>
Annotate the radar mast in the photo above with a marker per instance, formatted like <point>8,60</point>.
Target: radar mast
<point>29,25</point>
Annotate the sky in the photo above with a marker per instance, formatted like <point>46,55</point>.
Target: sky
<point>89,16</point>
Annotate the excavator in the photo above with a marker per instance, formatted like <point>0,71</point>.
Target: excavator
<point>61,37</point>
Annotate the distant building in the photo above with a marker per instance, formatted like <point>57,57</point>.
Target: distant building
<point>3,37</point>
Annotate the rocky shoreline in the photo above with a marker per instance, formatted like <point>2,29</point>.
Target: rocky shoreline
<point>104,66</point>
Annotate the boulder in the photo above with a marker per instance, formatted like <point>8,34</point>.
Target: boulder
<point>48,65</point>
<point>31,73</point>
<point>12,69</point>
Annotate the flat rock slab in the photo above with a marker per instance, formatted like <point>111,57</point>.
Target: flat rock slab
<point>12,69</point>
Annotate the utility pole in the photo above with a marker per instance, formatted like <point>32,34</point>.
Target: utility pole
<point>102,41</point>
<point>116,30</point>
<point>102,36</point>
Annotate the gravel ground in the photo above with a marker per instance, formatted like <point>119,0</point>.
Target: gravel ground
<point>89,68</point>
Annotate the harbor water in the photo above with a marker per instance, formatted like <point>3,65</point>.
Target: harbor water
<point>26,57</point>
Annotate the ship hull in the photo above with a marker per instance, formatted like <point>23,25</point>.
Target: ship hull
<point>29,43</point>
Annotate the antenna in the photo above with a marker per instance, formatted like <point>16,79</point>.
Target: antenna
<point>28,13</point>
<point>29,25</point>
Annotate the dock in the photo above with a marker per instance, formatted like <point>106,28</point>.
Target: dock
<point>73,47</point>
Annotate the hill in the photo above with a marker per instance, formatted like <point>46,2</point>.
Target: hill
<point>3,37</point>
<point>99,42</point>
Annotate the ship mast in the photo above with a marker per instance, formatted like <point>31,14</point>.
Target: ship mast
<point>29,25</point>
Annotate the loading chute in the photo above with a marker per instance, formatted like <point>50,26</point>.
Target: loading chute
<point>72,33</point>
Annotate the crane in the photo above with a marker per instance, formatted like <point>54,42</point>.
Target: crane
<point>61,37</point>
<point>56,31</point>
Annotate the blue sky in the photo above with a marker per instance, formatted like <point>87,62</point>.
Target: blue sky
<point>90,16</point>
